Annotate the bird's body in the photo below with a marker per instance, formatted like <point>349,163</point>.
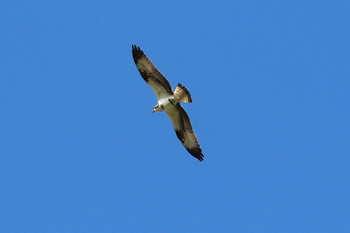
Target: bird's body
<point>164,103</point>
<point>169,102</point>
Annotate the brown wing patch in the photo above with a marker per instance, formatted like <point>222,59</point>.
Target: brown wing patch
<point>191,144</point>
<point>188,137</point>
<point>148,70</point>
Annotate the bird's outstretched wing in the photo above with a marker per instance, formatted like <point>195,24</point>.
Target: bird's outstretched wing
<point>184,131</point>
<point>150,74</point>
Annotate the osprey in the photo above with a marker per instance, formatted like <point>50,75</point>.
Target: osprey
<point>169,101</point>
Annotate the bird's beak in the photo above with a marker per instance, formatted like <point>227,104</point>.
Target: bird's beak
<point>152,111</point>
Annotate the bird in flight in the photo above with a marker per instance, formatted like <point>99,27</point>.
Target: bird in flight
<point>169,101</point>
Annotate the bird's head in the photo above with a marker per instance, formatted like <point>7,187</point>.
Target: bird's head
<point>157,108</point>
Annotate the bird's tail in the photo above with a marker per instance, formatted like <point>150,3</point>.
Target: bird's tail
<point>182,94</point>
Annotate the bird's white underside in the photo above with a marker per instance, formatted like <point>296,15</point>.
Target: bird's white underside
<point>164,100</point>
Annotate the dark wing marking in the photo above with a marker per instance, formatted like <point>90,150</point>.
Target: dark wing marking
<point>150,74</point>
<point>184,131</point>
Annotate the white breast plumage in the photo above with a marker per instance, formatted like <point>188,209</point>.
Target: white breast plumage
<point>165,101</point>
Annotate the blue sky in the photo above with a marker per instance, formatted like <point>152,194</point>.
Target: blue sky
<point>80,150</point>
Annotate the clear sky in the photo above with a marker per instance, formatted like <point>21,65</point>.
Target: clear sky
<point>80,150</point>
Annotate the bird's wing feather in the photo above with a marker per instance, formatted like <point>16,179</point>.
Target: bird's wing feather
<point>184,131</point>
<point>150,74</point>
